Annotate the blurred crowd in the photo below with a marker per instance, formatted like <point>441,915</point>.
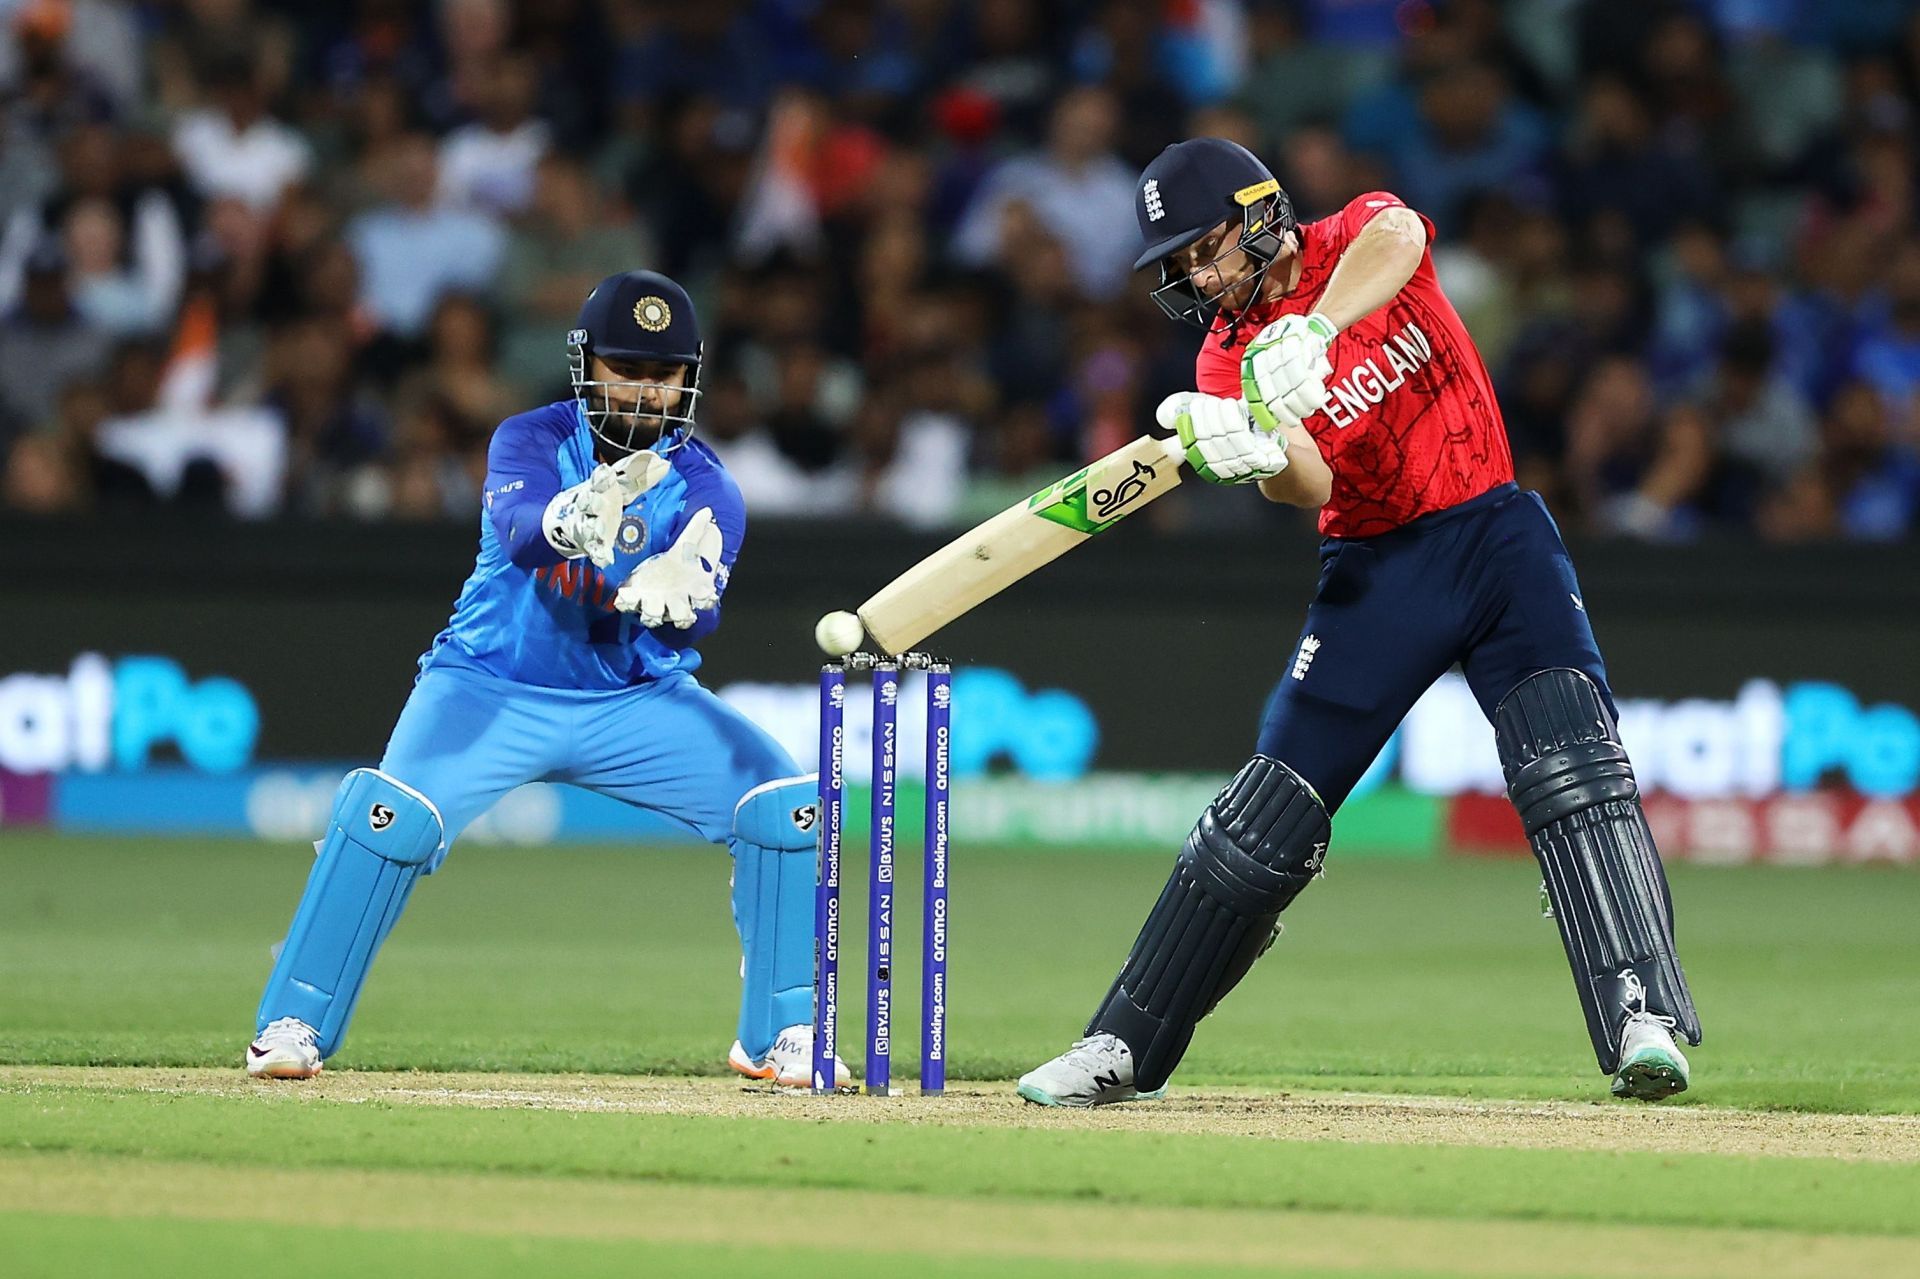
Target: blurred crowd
<point>283,258</point>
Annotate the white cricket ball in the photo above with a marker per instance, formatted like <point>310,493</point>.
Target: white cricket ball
<point>838,633</point>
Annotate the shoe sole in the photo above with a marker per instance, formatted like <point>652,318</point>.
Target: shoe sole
<point>1040,1097</point>
<point>287,1071</point>
<point>1650,1080</point>
<point>768,1075</point>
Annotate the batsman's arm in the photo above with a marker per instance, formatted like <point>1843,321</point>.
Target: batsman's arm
<point>1375,267</point>
<point>1307,481</point>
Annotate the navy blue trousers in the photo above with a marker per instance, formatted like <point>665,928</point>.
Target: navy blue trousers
<point>1487,584</point>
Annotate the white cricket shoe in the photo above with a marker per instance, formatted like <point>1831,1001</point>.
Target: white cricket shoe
<point>1652,1067</point>
<point>284,1050</point>
<point>1096,1071</point>
<point>789,1063</point>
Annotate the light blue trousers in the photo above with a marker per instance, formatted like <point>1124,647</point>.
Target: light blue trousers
<point>466,738</point>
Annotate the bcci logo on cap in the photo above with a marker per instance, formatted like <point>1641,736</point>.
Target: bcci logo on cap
<point>1151,194</point>
<point>652,313</point>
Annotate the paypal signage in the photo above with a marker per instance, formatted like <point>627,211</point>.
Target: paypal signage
<point>1765,740</point>
<point>115,712</point>
<point>998,722</point>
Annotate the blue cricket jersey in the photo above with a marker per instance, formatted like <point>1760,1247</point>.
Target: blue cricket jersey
<point>526,614</point>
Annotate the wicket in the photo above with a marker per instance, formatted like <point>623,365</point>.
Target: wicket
<point>886,674</point>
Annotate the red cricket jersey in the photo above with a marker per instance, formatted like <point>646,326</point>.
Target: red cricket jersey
<point>1411,424</point>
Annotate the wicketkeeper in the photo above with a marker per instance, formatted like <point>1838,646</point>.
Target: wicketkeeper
<point>1335,374</point>
<point>605,545</point>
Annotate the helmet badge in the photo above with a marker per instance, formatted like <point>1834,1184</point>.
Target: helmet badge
<point>652,313</point>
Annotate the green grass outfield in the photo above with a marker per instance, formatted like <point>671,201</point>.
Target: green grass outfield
<point>1402,1087</point>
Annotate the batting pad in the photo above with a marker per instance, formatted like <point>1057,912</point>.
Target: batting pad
<point>1569,777</point>
<point>1256,847</point>
<point>381,834</point>
<point>775,845</point>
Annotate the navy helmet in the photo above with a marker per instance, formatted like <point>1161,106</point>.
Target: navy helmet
<point>635,317</point>
<point>1191,188</point>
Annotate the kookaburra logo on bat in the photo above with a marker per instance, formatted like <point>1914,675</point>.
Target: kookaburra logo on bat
<point>1107,501</point>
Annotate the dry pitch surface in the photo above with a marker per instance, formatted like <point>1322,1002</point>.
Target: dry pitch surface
<point>1348,1117</point>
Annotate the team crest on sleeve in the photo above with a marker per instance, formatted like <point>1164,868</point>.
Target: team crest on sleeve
<point>632,536</point>
<point>652,313</point>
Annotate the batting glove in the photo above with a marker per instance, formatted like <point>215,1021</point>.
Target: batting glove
<point>1284,372</point>
<point>677,583</point>
<point>1222,443</point>
<point>583,519</point>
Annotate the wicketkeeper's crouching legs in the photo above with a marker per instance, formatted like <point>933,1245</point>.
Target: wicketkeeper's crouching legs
<point>775,841</point>
<point>1570,779</point>
<point>1257,845</point>
<point>378,842</point>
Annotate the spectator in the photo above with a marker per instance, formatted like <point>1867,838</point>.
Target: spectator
<point>489,165</point>
<point>45,343</point>
<point>411,250</point>
<point>93,168</point>
<point>1864,485</point>
<point>1080,189</point>
<point>119,300</point>
<point>458,388</point>
<point>335,431</point>
<point>1888,355</point>
<point>572,238</point>
<point>103,481</point>
<point>1615,161</point>
<point>232,147</point>
<point>49,91</point>
<point>771,482</point>
<point>1765,431</point>
<point>1471,137</point>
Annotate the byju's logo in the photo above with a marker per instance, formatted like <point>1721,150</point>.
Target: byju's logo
<point>115,713</point>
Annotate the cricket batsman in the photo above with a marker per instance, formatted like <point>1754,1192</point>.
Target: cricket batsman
<point>1336,375</point>
<point>606,541</point>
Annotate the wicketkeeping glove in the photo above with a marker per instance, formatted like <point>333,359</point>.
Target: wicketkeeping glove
<point>1222,443</point>
<point>583,519</point>
<point>1284,372</point>
<point>678,582</point>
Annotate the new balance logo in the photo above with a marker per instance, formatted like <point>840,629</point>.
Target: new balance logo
<point>1304,658</point>
<point>1109,1080</point>
<point>1151,194</point>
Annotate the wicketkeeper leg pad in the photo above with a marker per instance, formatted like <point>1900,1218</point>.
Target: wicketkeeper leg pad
<point>1570,779</point>
<point>382,834</point>
<point>1259,843</point>
<point>775,844</point>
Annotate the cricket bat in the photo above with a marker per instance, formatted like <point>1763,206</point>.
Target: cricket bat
<point>992,556</point>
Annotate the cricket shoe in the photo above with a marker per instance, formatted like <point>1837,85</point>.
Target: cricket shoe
<point>284,1050</point>
<point>789,1063</point>
<point>1652,1067</point>
<point>1096,1071</point>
